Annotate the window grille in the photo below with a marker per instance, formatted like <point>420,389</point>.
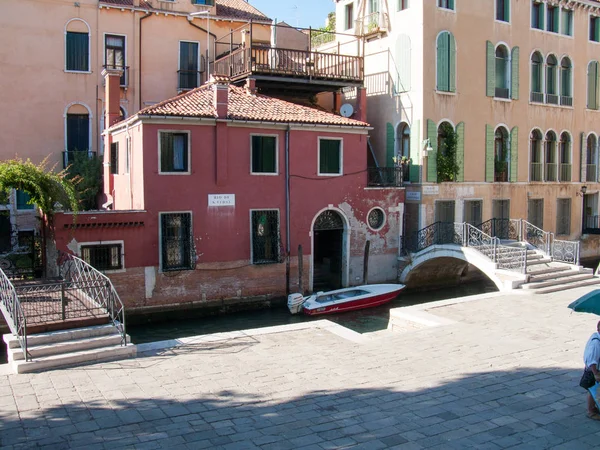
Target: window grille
<point>177,241</point>
<point>376,218</point>
<point>563,216</point>
<point>265,237</point>
<point>103,256</point>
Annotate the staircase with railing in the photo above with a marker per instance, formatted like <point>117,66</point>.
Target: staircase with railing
<point>82,308</point>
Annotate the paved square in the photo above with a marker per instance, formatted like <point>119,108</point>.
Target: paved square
<point>501,372</point>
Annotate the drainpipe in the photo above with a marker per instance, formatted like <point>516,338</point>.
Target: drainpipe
<point>215,46</point>
<point>287,208</point>
<point>148,14</point>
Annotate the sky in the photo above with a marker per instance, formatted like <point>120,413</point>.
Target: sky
<point>297,13</point>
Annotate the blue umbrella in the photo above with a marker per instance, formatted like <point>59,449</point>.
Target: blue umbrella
<point>589,303</point>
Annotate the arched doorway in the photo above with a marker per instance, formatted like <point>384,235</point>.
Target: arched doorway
<point>328,251</point>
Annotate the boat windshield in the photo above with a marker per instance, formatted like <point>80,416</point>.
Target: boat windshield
<point>341,295</point>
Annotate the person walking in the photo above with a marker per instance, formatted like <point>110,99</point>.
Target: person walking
<point>591,358</point>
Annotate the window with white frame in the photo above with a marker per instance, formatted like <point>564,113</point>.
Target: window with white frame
<point>176,241</point>
<point>174,152</point>
<point>537,73</point>
<point>502,72</point>
<point>592,85</point>
<point>566,22</point>
<point>537,15</point>
<point>402,5</point>
<point>77,51</point>
<point>552,15</point>
<point>566,90</point>
<point>349,16</point>
<point>551,80</point>
<point>103,256</point>
<point>330,156</point>
<point>594,29</point>
<point>115,55</point>
<point>189,65</point>
<point>564,168</point>
<point>503,10</point>
<point>446,4</point>
<point>265,236</point>
<point>263,154</point>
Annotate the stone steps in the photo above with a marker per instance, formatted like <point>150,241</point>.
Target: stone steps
<point>563,287</point>
<point>67,348</point>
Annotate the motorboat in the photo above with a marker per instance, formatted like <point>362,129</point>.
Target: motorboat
<point>347,299</point>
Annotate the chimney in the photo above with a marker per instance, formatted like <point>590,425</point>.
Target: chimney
<point>221,91</point>
<point>251,86</point>
<point>112,95</point>
<point>361,104</point>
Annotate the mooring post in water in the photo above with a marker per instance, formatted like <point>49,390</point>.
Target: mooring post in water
<point>366,263</point>
<point>300,268</point>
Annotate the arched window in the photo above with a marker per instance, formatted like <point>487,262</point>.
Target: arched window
<point>446,62</point>
<point>551,172</point>
<point>77,46</point>
<point>446,153</point>
<point>501,155</point>
<point>537,93</point>
<point>591,158</point>
<point>551,80</point>
<point>566,96</point>
<point>535,142</point>
<point>592,85</point>
<point>564,171</point>
<point>78,133</point>
<point>502,72</point>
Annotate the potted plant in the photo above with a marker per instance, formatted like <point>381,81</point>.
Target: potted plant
<point>500,169</point>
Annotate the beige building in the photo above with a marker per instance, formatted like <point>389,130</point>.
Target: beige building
<point>506,90</point>
<point>52,102</point>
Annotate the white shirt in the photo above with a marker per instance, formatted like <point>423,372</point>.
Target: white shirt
<point>591,354</point>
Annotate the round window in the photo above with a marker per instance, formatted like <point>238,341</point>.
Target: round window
<point>376,218</point>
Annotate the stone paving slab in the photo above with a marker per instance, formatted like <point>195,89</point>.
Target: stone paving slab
<point>492,371</point>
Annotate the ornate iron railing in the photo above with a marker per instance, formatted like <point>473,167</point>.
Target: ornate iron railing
<point>437,233</point>
<point>506,229</point>
<point>536,237</point>
<point>565,251</point>
<point>95,286</point>
<point>13,312</point>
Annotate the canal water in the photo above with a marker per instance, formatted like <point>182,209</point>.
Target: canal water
<point>361,321</point>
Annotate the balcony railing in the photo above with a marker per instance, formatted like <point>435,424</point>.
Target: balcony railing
<point>590,172</point>
<point>124,77</point>
<point>500,173</point>
<point>565,172</point>
<point>502,93</point>
<point>535,171</point>
<point>386,176</point>
<point>325,37</point>
<point>537,97</point>
<point>289,62</point>
<point>551,172</point>
<point>188,79</point>
<point>591,224</point>
<point>552,99</point>
<point>372,23</point>
<point>566,101</point>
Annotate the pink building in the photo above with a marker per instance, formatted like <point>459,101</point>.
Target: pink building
<point>221,195</point>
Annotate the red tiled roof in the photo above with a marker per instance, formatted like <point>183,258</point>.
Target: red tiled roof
<point>231,9</point>
<point>245,106</point>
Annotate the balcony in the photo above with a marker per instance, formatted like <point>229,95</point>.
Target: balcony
<point>537,97</point>
<point>373,23</point>
<point>535,171</point>
<point>290,66</point>
<point>387,176</point>
<point>566,101</point>
<point>591,224</point>
<point>552,99</point>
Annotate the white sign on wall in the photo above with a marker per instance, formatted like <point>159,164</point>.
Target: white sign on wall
<point>431,190</point>
<point>413,196</point>
<point>221,199</point>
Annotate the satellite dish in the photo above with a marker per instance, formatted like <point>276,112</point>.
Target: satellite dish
<point>346,110</point>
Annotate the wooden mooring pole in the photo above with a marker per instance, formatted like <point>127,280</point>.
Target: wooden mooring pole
<point>366,263</point>
<point>300,269</point>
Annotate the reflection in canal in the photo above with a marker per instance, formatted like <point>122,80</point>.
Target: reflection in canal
<point>362,321</point>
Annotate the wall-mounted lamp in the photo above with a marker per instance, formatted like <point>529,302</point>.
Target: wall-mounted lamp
<point>582,191</point>
<point>426,144</point>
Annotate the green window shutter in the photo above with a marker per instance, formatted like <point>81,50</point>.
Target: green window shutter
<point>490,69</point>
<point>432,155</point>
<point>507,10</point>
<point>329,150</point>
<point>489,154</point>
<point>514,72</point>
<point>415,151</point>
<point>582,161</point>
<point>77,53</point>
<point>592,85</point>
<point>443,62</point>
<point>460,151</point>
<point>389,144</point>
<point>514,154</point>
<point>452,63</point>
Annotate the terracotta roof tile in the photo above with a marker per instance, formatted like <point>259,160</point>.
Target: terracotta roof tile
<point>245,106</point>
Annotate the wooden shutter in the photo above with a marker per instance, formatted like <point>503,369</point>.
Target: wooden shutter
<point>442,62</point>
<point>489,154</point>
<point>592,83</point>
<point>389,144</point>
<point>415,151</point>
<point>582,161</point>
<point>460,151</point>
<point>514,154</point>
<point>432,155</point>
<point>507,10</point>
<point>514,72</point>
<point>452,63</point>
<point>490,69</point>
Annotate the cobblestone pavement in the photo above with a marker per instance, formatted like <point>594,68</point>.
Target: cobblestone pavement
<point>502,372</point>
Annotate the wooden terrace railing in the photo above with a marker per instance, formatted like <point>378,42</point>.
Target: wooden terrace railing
<point>289,62</point>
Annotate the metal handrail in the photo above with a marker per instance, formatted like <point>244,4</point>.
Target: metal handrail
<point>97,287</point>
<point>13,312</point>
<point>537,237</point>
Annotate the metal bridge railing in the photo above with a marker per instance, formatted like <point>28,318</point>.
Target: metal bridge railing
<point>13,312</point>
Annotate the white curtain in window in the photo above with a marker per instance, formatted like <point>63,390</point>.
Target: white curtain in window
<point>178,152</point>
